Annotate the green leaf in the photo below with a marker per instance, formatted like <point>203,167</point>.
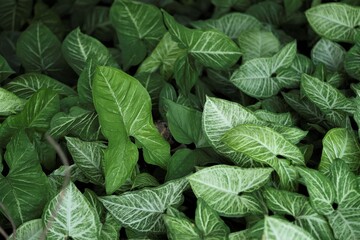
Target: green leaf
<point>78,122</point>
<point>142,210</point>
<point>181,163</point>
<point>181,228</point>
<point>153,83</point>
<point>343,144</point>
<point>257,44</point>
<point>97,23</point>
<point>232,24</point>
<point>14,13</point>
<point>262,77</point>
<point>297,206</point>
<point>186,73</point>
<point>231,115</point>
<point>88,156</point>
<point>38,50</point>
<point>31,230</point>
<point>162,58</point>
<point>352,61</point>
<point>121,117</point>
<point>138,26</point>
<point>26,85</point>
<point>23,191</point>
<point>143,180</point>
<point>227,189</point>
<point>211,48</point>
<point>335,21</point>
<point>78,47</point>
<point>330,54</point>
<point>10,103</point>
<point>178,117</point>
<point>69,214</point>
<point>325,96</point>
<point>262,144</point>
<point>209,223</point>
<point>321,190</point>
<point>276,118</point>
<point>5,69</point>
<point>278,229</point>
<point>267,12</point>
<point>36,114</point>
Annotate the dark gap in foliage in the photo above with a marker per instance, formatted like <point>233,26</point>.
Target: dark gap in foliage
<point>353,124</point>
<point>270,213</point>
<point>290,218</point>
<point>6,169</point>
<point>280,156</point>
<point>335,206</point>
<point>303,190</point>
<point>191,146</point>
<point>235,224</point>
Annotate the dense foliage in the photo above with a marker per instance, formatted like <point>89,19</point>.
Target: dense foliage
<point>189,119</point>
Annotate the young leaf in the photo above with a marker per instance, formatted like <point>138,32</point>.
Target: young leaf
<point>325,96</point>
<point>212,49</point>
<point>121,115</point>
<point>27,84</point>
<point>31,230</point>
<point>209,223</point>
<point>232,24</point>
<point>10,103</point>
<point>278,229</point>
<point>261,77</point>
<point>328,53</point>
<point>181,228</point>
<point>262,144</point>
<point>69,214</point>
<point>226,188</point>
<point>88,156</point>
<point>334,21</point>
<point>320,188</point>
<point>138,26</point>
<point>342,144</point>
<point>78,47</point>
<point>142,210</point>
<point>37,49</point>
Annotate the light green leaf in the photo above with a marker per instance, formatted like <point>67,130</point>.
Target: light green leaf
<point>343,144</point>
<point>285,119</point>
<point>78,47</point>
<point>78,122</point>
<point>142,210</point>
<point>321,190</point>
<point>36,114</point>
<point>257,44</point>
<point>121,117</point>
<point>232,24</point>
<point>162,58</point>
<point>31,230</point>
<point>345,223</point>
<point>144,180</point>
<point>227,189</point>
<point>26,85</point>
<point>277,229</point>
<point>14,13</point>
<point>297,206</point>
<point>230,114</point>
<point>38,50</point>
<point>178,117</point>
<point>138,26</point>
<point>262,77</point>
<point>10,103</point>
<point>335,21</point>
<point>5,69</point>
<point>328,53</point>
<point>325,96</point>
<point>209,223</point>
<point>211,48</point>
<point>69,214</point>
<point>262,144</point>
<point>23,191</point>
<point>88,156</point>
<point>181,228</point>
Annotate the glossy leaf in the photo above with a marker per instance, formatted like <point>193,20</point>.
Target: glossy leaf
<point>10,103</point>
<point>226,188</point>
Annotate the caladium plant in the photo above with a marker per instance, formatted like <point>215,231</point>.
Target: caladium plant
<point>165,119</point>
